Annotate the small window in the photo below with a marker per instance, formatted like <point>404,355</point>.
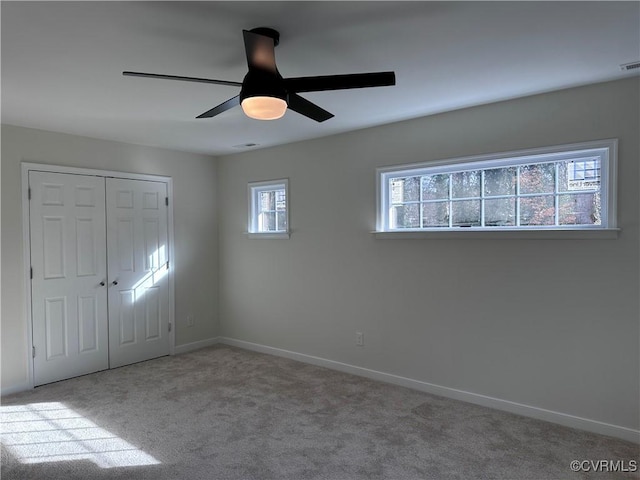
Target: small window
<point>269,208</point>
<point>557,188</point>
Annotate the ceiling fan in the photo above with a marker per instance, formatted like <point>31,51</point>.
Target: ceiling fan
<point>265,95</point>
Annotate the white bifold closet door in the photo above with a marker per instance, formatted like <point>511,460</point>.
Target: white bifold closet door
<point>137,246</point>
<point>69,269</point>
<point>99,289</point>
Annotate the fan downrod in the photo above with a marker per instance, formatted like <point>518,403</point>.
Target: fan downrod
<point>268,32</point>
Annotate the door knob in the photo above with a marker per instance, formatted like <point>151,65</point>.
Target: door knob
<point>115,282</point>
<point>102,284</point>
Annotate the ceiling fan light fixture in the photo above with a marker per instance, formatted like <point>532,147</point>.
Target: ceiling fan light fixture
<point>265,95</point>
<point>264,107</point>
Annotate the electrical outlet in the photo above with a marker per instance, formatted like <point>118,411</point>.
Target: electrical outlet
<point>359,339</point>
<point>190,321</point>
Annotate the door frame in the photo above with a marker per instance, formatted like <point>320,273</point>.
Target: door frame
<point>27,167</point>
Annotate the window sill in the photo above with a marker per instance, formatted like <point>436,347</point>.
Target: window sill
<point>269,235</point>
<point>555,234</point>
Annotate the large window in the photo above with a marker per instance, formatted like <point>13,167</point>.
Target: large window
<point>568,187</point>
<point>269,207</point>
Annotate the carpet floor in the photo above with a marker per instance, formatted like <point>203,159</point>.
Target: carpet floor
<point>227,413</point>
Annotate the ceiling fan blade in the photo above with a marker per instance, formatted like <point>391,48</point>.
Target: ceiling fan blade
<point>182,79</point>
<point>260,50</point>
<point>340,82</point>
<point>223,107</point>
<point>308,109</point>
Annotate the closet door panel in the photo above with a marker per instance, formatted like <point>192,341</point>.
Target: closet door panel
<point>68,288</point>
<point>137,240</point>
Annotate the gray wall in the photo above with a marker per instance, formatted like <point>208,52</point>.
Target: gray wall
<point>549,323</point>
<point>552,324</point>
<point>195,227</point>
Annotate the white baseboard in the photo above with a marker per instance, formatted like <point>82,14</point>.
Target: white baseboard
<point>15,389</point>
<point>189,347</point>
<point>565,419</point>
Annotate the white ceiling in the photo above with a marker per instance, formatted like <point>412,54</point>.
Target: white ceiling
<point>62,62</point>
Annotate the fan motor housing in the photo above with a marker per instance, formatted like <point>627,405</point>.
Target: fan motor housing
<point>262,83</point>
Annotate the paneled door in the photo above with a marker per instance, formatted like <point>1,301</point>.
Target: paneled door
<point>137,244</point>
<point>69,275</point>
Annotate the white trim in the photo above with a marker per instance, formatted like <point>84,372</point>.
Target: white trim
<point>560,418</point>
<point>190,347</point>
<point>26,263</point>
<point>172,266</point>
<point>553,153</point>
<point>42,167</point>
<point>611,177</point>
<point>252,189</point>
<point>605,143</point>
<point>21,387</point>
<point>26,167</point>
<point>501,233</point>
<point>268,234</point>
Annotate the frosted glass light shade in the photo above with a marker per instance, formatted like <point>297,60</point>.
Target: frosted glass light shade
<point>264,108</point>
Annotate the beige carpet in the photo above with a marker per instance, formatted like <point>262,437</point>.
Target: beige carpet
<point>226,413</point>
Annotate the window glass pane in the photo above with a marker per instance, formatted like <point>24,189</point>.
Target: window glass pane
<point>500,212</point>
<point>435,187</point>
<point>500,181</point>
<point>546,188</point>
<point>538,178</point>
<point>281,200</point>
<point>466,184</point>
<point>396,190</point>
<point>268,206</point>
<point>405,216</point>
<point>537,210</point>
<point>465,213</point>
<point>435,214</point>
<point>576,170</point>
<point>281,221</point>
<point>405,190</point>
<point>573,176</point>
<point>579,209</point>
<point>267,222</point>
<point>267,201</point>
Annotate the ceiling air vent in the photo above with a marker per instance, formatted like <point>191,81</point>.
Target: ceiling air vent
<point>627,67</point>
<point>246,145</point>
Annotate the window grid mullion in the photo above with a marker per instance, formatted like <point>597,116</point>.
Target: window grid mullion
<point>556,199</point>
<point>497,197</point>
<point>482,198</point>
<point>518,196</point>
<point>450,200</point>
<point>420,208</point>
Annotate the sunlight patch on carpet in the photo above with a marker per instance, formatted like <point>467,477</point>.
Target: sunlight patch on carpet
<point>52,432</point>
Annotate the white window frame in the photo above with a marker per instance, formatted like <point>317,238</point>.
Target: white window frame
<point>605,150</point>
<point>254,190</point>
